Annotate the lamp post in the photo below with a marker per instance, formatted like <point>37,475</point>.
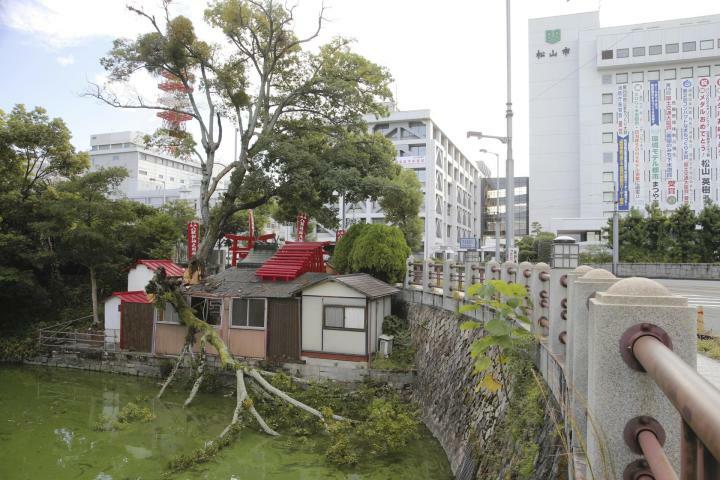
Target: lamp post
<point>507,140</point>
<point>497,202</point>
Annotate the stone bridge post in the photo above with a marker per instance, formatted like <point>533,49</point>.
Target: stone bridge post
<point>583,289</point>
<point>492,270</point>
<point>524,274</point>
<point>509,272</point>
<point>540,296</point>
<point>618,393</point>
<point>557,335</point>
<point>572,278</point>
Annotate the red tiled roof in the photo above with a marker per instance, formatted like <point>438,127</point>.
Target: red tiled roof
<point>292,260</point>
<point>171,269</point>
<point>132,297</point>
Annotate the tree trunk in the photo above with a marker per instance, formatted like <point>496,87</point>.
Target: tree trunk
<point>93,293</point>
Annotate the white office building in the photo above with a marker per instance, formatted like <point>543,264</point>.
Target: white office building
<point>154,177</point>
<point>451,182</point>
<point>628,114</point>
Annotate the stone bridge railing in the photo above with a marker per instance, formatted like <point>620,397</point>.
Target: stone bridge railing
<point>619,357</point>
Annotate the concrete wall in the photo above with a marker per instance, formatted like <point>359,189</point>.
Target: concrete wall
<point>689,271</point>
<point>138,278</point>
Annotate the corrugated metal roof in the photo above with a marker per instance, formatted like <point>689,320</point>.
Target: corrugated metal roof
<point>361,282</point>
<point>242,282</point>
<point>132,297</point>
<point>171,269</point>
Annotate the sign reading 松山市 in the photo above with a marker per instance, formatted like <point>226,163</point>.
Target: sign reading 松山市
<point>704,92</point>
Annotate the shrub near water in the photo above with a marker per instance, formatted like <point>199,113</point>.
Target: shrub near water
<point>130,413</point>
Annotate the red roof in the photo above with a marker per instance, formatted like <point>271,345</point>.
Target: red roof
<point>171,269</point>
<point>292,260</point>
<point>132,297</point>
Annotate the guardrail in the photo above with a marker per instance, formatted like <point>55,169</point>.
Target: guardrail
<point>649,350</point>
<point>71,341</point>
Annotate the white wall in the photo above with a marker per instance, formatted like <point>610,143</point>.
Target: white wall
<point>138,277</point>
<point>112,320</point>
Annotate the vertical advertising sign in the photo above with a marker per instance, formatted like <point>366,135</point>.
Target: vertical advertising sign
<point>638,146</point>
<point>715,162</point>
<point>654,141</point>
<point>704,149</point>
<point>670,193</point>
<point>301,226</point>
<point>193,239</point>
<point>686,150</point>
<point>339,233</point>
<point>623,190</point>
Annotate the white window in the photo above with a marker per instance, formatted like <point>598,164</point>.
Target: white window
<point>670,74</point>
<point>608,157</point>
<point>689,46</point>
<point>623,52</point>
<point>637,76</point>
<point>672,48</point>
<point>655,50</point>
<point>703,71</point>
<point>707,44</point>
<point>608,176</point>
<point>686,72</point>
<point>607,117</point>
<point>653,75</point>
<point>638,51</point>
<point>116,157</point>
<point>607,98</point>
<point>344,318</point>
<point>607,79</point>
<point>248,312</point>
<point>607,137</point>
<point>621,78</point>
<point>142,172</point>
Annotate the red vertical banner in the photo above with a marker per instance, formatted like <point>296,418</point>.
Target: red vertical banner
<point>193,239</point>
<point>339,233</point>
<point>301,226</point>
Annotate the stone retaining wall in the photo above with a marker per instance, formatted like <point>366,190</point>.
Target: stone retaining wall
<point>461,419</point>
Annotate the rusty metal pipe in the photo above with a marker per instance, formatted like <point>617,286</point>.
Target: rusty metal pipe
<point>544,294</point>
<point>544,276</point>
<point>563,303</point>
<point>693,396</point>
<point>563,337</point>
<point>543,321</point>
<point>527,272</point>
<point>655,456</point>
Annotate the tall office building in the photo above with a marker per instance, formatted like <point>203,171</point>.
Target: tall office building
<point>494,202</point>
<point>627,115</point>
<point>154,177</point>
<point>451,182</point>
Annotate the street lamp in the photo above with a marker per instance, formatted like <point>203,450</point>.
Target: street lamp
<point>566,252</point>
<point>507,140</point>
<point>497,202</point>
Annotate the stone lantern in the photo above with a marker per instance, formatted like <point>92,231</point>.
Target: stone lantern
<point>565,252</point>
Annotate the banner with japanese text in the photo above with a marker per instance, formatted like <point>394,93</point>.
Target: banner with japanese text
<point>623,189</point>
<point>193,239</point>
<point>715,163</point>
<point>654,142</point>
<point>704,179</point>
<point>670,193</point>
<point>686,141</point>
<point>637,138</point>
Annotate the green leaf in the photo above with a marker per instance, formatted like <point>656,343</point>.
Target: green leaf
<point>481,345</point>
<point>481,364</point>
<point>497,328</point>
<point>489,383</point>
<point>470,325</point>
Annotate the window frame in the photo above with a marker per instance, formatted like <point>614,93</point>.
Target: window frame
<point>210,299</point>
<point>671,48</point>
<point>247,325</point>
<point>343,328</point>
<point>161,314</point>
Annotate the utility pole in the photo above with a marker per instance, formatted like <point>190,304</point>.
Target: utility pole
<point>616,232</point>
<point>509,162</point>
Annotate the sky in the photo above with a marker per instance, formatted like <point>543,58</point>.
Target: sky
<point>446,56</point>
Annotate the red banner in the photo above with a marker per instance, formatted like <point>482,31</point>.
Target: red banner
<point>251,229</point>
<point>301,226</point>
<point>193,239</point>
<point>339,234</point>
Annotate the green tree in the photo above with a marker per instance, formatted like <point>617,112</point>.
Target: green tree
<point>526,252</point>
<point>709,236</point>
<point>535,229</point>
<point>684,242</point>
<point>381,251</point>
<point>298,112</point>
<point>341,259</point>
<point>401,201</point>
<point>542,244</point>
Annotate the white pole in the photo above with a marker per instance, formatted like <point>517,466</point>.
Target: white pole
<point>510,167</point>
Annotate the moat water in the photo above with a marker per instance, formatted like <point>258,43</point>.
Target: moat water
<point>48,415</point>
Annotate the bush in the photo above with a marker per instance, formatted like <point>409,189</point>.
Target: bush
<point>392,325</point>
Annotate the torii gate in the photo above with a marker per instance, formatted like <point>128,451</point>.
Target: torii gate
<point>239,252</point>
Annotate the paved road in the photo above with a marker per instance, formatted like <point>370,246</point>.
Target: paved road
<point>705,293</point>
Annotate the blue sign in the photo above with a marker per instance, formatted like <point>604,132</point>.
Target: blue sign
<point>623,155</point>
<point>654,103</point>
<point>469,243</point>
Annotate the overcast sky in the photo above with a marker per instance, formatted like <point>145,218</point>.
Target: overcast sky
<point>447,56</point>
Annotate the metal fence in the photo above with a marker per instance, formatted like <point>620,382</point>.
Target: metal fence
<point>62,337</point>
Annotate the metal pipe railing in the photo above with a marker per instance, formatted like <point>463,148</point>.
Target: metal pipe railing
<point>655,456</point>
<point>694,398</point>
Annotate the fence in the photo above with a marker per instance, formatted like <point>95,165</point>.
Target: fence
<point>62,337</point>
<point>619,357</point>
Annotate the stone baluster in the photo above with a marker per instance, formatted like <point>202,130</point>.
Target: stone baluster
<point>509,272</point>
<point>540,298</point>
<point>557,334</point>
<point>447,282</point>
<point>492,270</point>
<point>583,289</point>
<point>572,277</point>
<point>524,274</point>
<point>618,393</point>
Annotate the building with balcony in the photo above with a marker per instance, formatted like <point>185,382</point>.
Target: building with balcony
<point>494,205</point>
<point>621,116</point>
<point>451,182</point>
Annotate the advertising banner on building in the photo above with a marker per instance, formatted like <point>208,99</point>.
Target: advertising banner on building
<point>637,139</point>
<point>654,141</point>
<point>623,190</point>
<point>704,139</point>
<point>716,159</point>
<point>686,140</point>
<point>193,239</point>
<point>670,194</point>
